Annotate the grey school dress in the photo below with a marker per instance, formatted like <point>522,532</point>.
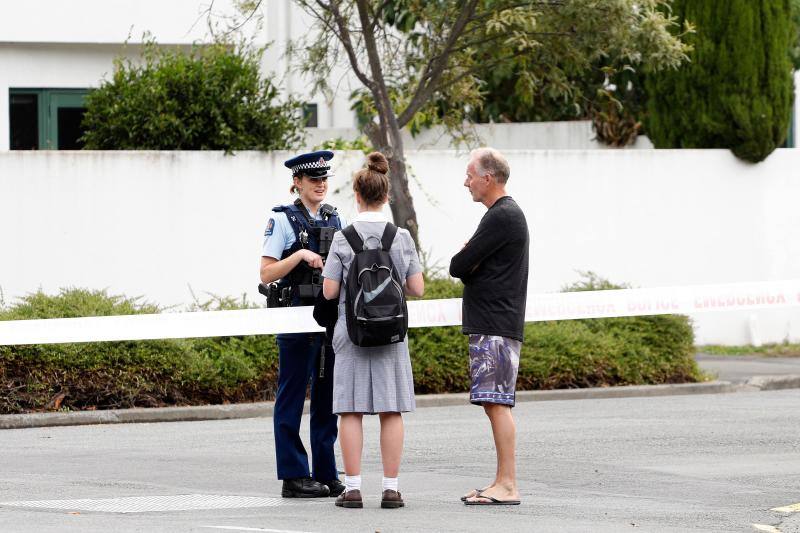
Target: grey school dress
<point>378,379</point>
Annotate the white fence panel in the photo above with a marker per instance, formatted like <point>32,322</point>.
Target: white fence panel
<point>157,223</point>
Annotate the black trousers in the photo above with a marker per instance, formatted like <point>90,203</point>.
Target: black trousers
<point>299,360</point>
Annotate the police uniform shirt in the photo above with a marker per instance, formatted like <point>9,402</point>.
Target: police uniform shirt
<point>279,235</point>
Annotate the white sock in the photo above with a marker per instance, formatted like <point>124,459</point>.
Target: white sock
<point>352,483</point>
<point>390,483</point>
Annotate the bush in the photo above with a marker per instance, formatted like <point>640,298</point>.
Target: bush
<point>561,354</point>
<point>121,374</point>
<point>212,98</point>
<point>564,354</point>
<point>242,368</point>
<point>737,90</point>
<point>795,51</point>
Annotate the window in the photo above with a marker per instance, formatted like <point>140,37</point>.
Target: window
<point>24,121</point>
<point>46,119</point>
<point>310,115</point>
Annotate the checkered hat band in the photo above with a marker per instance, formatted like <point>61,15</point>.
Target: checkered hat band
<point>306,166</point>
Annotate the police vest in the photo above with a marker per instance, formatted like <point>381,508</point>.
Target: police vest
<point>307,235</point>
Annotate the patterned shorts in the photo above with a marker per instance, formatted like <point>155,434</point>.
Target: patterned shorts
<point>493,365</point>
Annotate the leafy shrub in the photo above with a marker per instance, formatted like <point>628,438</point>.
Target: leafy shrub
<point>72,303</point>
<point>211,98</point>
<point>360,143</point>
<point>247,364</point>
<point>146,373</point>
<point>85,375</point>
<point>565,353</point>
<point>560,354</point>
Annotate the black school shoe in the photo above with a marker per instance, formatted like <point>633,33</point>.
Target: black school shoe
<point>335,487</point>
<point>304,487</point>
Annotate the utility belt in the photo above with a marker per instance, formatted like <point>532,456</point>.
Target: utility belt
<point>281,294</point>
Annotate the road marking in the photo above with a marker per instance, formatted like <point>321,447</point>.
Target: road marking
<point>236,528</point>
<point>788,508</point>
<point>768,529</point>
<point>150,504</point>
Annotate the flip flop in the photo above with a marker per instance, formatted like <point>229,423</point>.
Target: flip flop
<point>477,493</point>
<point>492,501</point>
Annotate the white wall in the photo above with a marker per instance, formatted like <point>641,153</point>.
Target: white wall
<point>103,21</point>
<point>155,223</point>
<point>73,45</point>
<point>564,135</point>
<point>54,66</point>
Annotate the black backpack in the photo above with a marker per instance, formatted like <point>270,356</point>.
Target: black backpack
<point>375,305</point>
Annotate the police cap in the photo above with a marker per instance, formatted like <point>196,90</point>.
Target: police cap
<point>313,164</point>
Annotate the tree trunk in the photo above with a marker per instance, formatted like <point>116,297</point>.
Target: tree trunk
<point>390,144</point>
<point>402,204</point>
<point>386,135</point>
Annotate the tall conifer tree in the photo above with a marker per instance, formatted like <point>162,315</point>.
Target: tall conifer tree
<point>737,90</point>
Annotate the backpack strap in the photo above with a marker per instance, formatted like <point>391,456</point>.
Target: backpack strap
<point>353,239</point>
<point>389,233</point>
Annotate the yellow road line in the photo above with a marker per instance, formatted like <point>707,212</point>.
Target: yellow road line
<point>767,529</point>
<point>788,509</point>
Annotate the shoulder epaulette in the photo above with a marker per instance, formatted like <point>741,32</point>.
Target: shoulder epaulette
<point>280,208</point>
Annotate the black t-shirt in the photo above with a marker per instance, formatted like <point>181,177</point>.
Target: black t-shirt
<point>494,268</point>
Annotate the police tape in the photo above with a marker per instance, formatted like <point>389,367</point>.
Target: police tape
<point>422,313</point>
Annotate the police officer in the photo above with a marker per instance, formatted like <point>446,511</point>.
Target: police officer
<point>296,239</point>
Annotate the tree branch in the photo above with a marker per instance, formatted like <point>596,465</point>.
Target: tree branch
<point>379,92</point>
<point>381,8</point>
<point>490,13</point>
<point>435,67</point>
<point>347,43</point>
<point>246,20</point>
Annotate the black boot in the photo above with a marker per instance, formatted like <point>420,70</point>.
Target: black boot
<point>335,486</point>
<point>303,487</point>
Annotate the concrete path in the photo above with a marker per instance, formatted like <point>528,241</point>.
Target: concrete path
<point>711,463</point>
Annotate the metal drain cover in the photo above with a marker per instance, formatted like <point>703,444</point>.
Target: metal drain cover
<point>154,504</point>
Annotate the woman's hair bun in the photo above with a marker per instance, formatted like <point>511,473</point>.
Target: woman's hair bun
<point>377,162</point>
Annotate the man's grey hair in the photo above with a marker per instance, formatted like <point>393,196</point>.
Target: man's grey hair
<point>491,161</point>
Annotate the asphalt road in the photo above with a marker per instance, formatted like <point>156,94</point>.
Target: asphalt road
<point>740,368</point>
<point>670,464</point>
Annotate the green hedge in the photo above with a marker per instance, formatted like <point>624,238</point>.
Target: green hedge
<point>111,375</point>
<point>567,353</point>
<point>579,353</point>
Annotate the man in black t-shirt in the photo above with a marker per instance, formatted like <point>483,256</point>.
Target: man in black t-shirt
<point>493,265</point>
